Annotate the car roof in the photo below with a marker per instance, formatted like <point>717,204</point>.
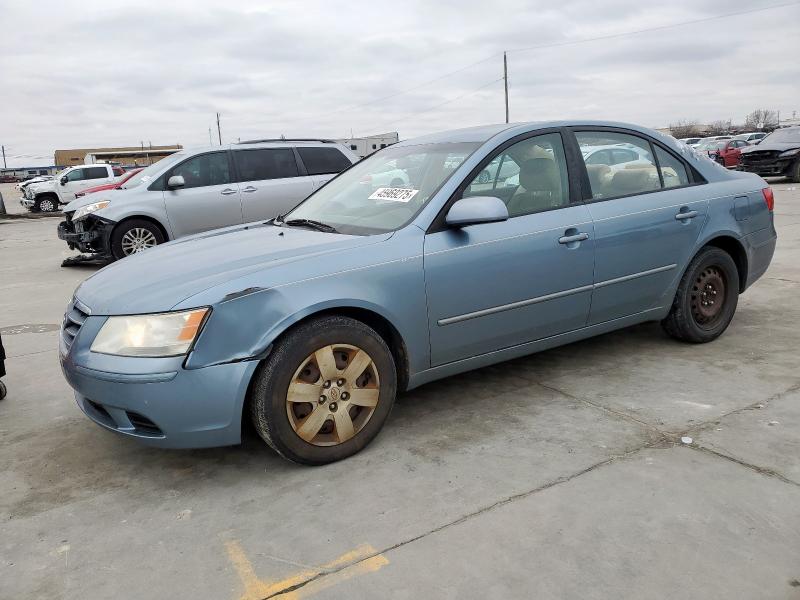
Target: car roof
<point>484,133</point>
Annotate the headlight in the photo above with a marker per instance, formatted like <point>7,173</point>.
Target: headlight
<point>89,208</point>
<point>165,334</point>
<point>789,153</point>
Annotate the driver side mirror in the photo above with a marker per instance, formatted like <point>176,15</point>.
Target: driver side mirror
<point>475,210</point>
<point>63,180</point>
<point>176,181</point>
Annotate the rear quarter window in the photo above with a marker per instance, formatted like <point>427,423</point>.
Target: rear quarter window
<point>323,161</point>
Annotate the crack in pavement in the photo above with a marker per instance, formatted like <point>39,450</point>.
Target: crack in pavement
<point>760,470</point>
<point>469,516</point>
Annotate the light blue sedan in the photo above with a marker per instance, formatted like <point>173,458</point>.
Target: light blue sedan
<point>311,323</point>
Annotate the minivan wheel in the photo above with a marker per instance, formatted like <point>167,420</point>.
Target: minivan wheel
<point>136,235</point>
<point>706,298</point>
<point>46,204</point>
<point>325,391</point>
<point>795,172</point>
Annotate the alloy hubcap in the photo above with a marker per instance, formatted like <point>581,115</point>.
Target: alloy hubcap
<point>333,394</point>
<point>46,206</point>
<point>137,239</point>
<point>708,296</point>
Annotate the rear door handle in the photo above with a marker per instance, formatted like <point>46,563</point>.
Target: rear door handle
<point>227,192</point>
<point>689,214</point>
<point>249,189</point>
<point>570,239</point>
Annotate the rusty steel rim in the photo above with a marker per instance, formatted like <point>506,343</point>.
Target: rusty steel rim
<point>708,296</point>
<point>332,394</point>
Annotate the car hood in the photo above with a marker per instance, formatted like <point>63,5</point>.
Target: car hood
<point>780,146</point>
<point>42,186</point>
<point>84,200</point>
<point>160,278</point>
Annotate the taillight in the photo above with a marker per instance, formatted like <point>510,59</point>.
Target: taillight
<point>769,197</point>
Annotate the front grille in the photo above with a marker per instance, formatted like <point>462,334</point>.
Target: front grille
<point>73,320</point>
<point>760,157</point>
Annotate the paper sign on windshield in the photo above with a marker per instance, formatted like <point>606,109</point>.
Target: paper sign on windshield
<point>396,194</point>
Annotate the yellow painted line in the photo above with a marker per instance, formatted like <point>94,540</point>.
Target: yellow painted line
<point>257,589</point>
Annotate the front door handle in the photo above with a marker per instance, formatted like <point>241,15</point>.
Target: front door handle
<point>227,192</point>
<point>249,189</point>
<point>571,239</point>
<point>689,214</point>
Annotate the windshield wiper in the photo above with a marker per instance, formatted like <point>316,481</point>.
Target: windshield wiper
<point>318,225</point>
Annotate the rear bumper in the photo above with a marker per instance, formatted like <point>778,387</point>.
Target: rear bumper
<point>761,246</point>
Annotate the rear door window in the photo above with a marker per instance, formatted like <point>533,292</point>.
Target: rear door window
<point>95,173</point>
<point>265,163</point>
<point>673,171</point>
<point>204,170</point>
<point>608,178</point>
<point>323,161</point>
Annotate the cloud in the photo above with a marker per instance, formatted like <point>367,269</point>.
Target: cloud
<point>97,73</point>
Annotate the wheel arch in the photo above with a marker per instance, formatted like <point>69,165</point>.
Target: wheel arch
<point>140,217</point>
<point>736,250</point>
<point>371,317</point>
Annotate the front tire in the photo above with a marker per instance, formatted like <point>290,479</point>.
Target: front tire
<point>325,391</point>
<point>794,174</point>
<point>706,299</point>
<point>45,204</point>
<point>136,235</point>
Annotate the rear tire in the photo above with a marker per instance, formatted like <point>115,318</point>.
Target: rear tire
<point>3,390</point>
<point>349,413</point>
<point>133,236</point>
<point>706,299</point>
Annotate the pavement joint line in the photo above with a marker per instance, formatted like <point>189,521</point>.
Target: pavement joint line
<point>469,516</point>
<point>618,413</point>
<point>705,425</point>
<point>784,279</point>
<point>760,470</point>
<point>10,356</point>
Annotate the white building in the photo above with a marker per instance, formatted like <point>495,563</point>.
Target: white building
<point>364,146</point>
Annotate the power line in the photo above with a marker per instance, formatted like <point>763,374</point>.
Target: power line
<point>556,45</point>
<point>435,106</point>
<point>649,29</point>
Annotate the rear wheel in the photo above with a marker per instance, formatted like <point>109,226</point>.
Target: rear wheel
<point>706,299</point>
<point>136,235</point>
<point>325,391</point>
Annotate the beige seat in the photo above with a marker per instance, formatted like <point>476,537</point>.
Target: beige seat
<point>633,180</point>
<point>539,188</point>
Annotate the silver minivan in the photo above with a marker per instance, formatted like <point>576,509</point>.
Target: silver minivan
<point>199,189</point>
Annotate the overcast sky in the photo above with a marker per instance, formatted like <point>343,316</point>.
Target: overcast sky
<point>112,73</point>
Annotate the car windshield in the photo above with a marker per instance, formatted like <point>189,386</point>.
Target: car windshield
<point>784,135</point>
<point>148,173</point>
<point>384,191</point>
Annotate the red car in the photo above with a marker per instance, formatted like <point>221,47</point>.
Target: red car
<point>725,152</point>
<point>110,186</point>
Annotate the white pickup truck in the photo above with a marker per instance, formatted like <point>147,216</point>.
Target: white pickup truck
<point>46,196</point>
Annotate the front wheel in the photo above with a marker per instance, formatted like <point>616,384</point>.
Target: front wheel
<point>46,204</point>
<point>794,174</point>
<point>136,235</point>
<point>706,298</point>
<point>325,391</point>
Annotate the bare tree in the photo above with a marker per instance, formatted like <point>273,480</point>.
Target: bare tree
<point>719,127</point>
<point>767,118</point>
<point>685,129</point>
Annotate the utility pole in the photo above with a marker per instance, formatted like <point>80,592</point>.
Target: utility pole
<point>505,81</point>
<point>219,131</point>
<point>4,158</point>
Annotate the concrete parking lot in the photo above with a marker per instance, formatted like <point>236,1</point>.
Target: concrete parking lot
<point>559,475</point>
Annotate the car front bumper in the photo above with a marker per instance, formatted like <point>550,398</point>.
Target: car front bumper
<point>26,202</point>
<point>766,168</point>
<point>91,235</point>
<point>157,401</point>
